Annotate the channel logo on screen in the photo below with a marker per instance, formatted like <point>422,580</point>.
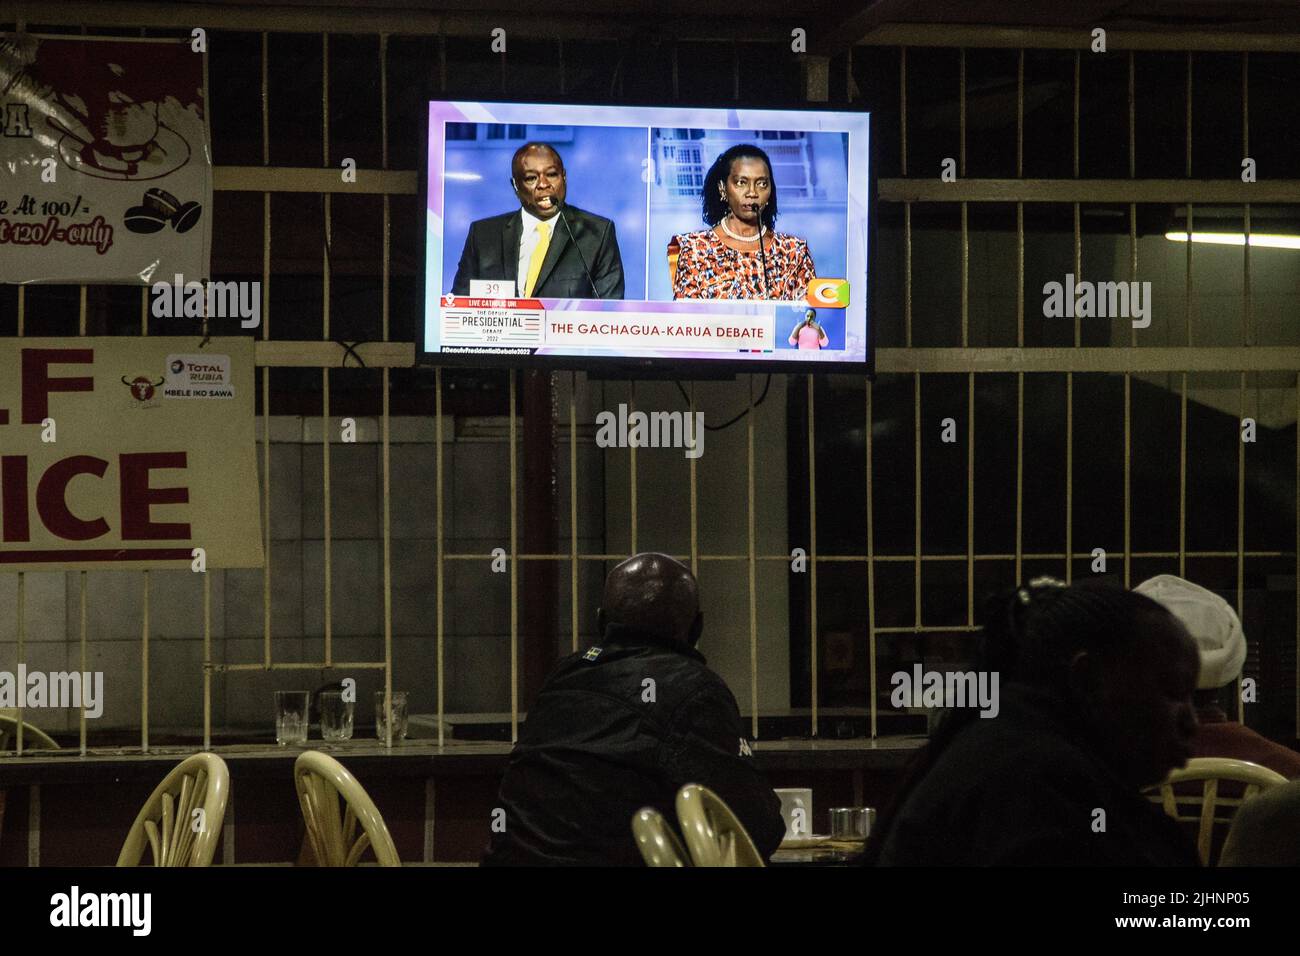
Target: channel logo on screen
<point>829,293</point>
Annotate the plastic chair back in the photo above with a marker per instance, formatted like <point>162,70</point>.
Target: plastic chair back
<point>181,820</point>
<point>713,834</point>
<point>33,737</point>
<point>656,840</point>
<point>321,781</point>
<point>1211,807</point>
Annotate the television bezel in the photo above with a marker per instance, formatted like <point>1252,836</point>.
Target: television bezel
<point>618,366</point>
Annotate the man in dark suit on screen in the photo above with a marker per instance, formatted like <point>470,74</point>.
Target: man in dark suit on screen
<point>547,248</point>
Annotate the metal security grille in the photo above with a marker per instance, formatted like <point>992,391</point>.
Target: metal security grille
<point>905,360</point>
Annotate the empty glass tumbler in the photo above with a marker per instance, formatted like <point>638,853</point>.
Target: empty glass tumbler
<point>335,715</point>
<point>291,716</point>
<point>399,715</point>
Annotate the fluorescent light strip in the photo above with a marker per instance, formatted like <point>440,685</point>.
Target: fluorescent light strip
<point>1265,239</point>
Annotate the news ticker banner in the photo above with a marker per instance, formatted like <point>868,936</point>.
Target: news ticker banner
<point>581,327</point>
<point>127,453</point>
<point>106,148</point>
<point>527,323</point>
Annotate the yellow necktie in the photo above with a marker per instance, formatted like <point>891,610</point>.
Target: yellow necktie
<point>539,253</point>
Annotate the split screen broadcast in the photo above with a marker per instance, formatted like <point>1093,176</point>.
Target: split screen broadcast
<point>663,233</point>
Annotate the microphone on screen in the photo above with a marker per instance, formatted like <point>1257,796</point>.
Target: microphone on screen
<point>585,267</point>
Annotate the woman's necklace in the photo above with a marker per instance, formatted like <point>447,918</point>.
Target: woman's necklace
<point>761,230</point>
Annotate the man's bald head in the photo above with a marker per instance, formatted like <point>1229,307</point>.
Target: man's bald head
<point>654,593</point>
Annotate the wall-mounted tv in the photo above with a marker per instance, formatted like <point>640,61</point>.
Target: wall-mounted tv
<point>573,236</point>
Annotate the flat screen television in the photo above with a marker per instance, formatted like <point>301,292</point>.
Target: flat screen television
<point>577,236</point>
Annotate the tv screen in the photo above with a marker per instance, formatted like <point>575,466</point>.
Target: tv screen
<point>574,236</point>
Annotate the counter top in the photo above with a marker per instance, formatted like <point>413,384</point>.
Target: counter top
<point>413,758</point>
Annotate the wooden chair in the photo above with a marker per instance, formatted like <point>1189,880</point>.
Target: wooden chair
<point>713,834</point>
<point>33,737</point>
<point>1210,807</point>
<point>167,821</point>
<point>656,840</point>
<point>321,781</point>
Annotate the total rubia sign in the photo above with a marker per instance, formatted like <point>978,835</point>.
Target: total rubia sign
<point>127,453</point>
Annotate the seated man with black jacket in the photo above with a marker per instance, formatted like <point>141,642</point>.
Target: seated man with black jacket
<point>624,725</point>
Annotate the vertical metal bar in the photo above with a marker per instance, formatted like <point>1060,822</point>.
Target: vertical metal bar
<point>1020,318</point>
<point>1247,325</point>
<point>1069,476</point>
<point>1241,531</point>
<point>573,507</point>
<point>22,310</point>
<point>1078,335</point>
<point>514,572</point>
<point>1132,332</point>
<point>266,369</point>
<point>438,541</point>
<point>695,527</point>
<point>1187,306</point>
<point>753,596</point>
<point>228,829</point>
<point>970,499</point>
<point>907,326</point>
<point>1078,238</point>
<point>871,568</point>
<point>386,436</point>
<point>84,669</point>
<point>22,654</point>
<point>1247,317</point>
<point>812,539</point>
<point>325,372</point>
<point>907,206</point>
<point>1297,558</point>
<point>970,377</point>
<point>430,805</point>
<point>207,662</point>
<point>33,822</point>
<point>144,669</point>
<point>916,543</point>
<point>631,407</point>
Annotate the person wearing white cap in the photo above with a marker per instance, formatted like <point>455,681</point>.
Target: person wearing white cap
<point>1216,629</point>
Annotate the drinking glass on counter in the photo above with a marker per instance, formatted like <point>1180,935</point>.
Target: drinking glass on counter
<point>336,715</point>
<point>291,717</point>
<point>399,715</point>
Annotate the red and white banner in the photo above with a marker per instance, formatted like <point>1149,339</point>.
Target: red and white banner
<point>104,146</point>
<point>125,452</point>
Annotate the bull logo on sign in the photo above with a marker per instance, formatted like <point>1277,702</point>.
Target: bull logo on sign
<point>142,388</point>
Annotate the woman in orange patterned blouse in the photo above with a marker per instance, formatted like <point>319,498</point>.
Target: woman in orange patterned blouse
<point>726,261</point>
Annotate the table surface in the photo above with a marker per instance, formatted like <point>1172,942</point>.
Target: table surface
<point>817,856</point>
<point>418,757</point>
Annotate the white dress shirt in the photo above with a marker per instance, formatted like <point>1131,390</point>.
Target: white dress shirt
<point>529,242</point>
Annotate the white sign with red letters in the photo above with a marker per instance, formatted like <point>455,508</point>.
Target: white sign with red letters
<point>104,464</point>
